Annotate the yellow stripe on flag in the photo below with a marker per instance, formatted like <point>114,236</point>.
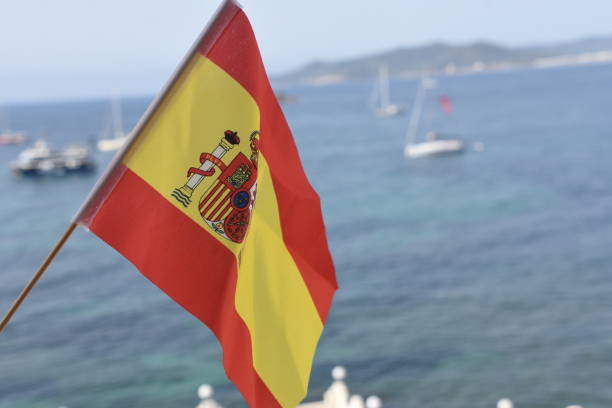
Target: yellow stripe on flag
<point>274,302</point>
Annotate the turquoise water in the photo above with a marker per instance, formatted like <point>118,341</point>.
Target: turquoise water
<point>463,279</point>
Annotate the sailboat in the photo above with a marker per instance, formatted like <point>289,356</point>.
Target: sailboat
<point>119,137</point>
<point>433,145</point>
<point>380,100</point>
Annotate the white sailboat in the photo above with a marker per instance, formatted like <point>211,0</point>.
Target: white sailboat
<point>119,137</point>
<point>380,100</point>
<point>433,145</point>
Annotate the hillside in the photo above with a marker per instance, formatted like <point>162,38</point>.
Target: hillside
<point>447,58</point>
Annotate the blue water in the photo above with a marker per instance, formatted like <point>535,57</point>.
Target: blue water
<point>463,279</point>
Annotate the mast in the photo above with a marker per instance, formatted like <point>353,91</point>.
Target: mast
<point>417,110</point>
<point>116,114</point>
<point>383,77</point>
<point>415,116</point>
<point>4,121</point>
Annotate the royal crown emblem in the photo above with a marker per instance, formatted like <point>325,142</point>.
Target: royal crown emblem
<point>226,206</point>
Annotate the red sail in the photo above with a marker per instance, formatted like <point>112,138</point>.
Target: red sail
<point>446,104</point>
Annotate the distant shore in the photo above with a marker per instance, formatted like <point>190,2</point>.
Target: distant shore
<point>591,58</point>
<point>445,59</point>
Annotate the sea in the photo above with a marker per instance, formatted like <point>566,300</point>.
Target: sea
<point>463,279</point>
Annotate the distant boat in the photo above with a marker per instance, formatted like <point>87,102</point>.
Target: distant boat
<point>380,100</point>
<point>40,159</point>
<point>118,136</point>
<point>7,136</point>
<point>283,97</point>
<point>433,144</point>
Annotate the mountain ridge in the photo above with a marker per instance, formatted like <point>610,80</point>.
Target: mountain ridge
<point>444,57</point>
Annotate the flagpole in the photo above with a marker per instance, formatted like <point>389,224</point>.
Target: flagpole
<point>26,291</point>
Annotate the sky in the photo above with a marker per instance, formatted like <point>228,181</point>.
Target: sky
<point>72,49</point>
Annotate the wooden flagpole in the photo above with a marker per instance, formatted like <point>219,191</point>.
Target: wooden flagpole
<point>26,291</point>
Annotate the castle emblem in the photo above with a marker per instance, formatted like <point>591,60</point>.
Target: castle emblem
<point>226,206</point>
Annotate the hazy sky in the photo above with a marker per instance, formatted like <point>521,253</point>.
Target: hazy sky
<point>65,49</point>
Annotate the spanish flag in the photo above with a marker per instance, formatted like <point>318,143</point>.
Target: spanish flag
<point>210,202</point>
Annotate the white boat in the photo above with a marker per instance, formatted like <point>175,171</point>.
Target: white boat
<point>119,137</point>
<point>380,101</point>
<point>40,159</point>
<point>112,144</point>
<point>7,136</point>
<point>433,145</point>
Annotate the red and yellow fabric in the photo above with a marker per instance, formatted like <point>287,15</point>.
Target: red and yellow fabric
<point>265,292</point>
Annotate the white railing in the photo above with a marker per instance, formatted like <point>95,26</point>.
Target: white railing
<point>336,396</point>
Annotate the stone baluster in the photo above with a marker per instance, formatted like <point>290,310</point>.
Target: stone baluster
<point>205,392</point>
<point>373,402</point>
<point>337,395</point>
<point>505,403</point>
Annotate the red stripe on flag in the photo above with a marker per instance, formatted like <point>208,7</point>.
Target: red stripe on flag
<point>175,254</point>
<point>299,205</point>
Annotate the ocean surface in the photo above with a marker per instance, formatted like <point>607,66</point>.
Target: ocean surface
<point>463,279</point>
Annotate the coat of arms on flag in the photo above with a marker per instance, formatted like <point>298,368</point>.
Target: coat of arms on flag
<point>226,205</point>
